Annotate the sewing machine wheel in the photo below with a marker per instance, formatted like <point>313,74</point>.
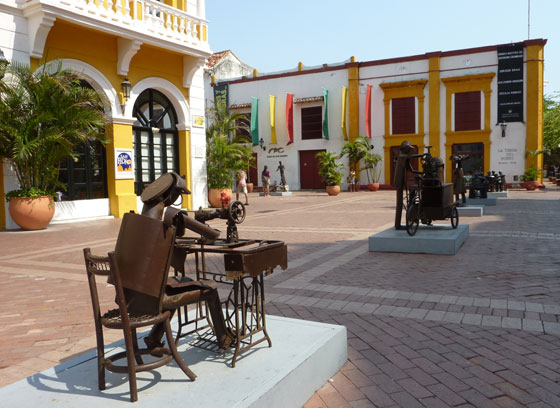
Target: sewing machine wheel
<point>236,212</point>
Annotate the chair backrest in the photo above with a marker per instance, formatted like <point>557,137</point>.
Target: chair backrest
<point>143,253</point>
<point>95,265</point>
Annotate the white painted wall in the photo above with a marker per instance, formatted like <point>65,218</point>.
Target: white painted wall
<point>301,86</point>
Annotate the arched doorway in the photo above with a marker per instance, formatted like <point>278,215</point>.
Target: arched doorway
<point>155,138</point>
<point>85,176</point>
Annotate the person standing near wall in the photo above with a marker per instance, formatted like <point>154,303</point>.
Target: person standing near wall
<point>265,177</point>
<point>242,186</point>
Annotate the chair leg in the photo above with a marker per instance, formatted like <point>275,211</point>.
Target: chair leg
<point>100,359</point>
<point>130,365</point>
<point>137,355</point>
<point>175,353</point>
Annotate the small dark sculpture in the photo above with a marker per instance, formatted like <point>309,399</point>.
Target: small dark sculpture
<point>281,169</point>
<point>503,185</point>
<point>459,184</point>
<point>479,187</point>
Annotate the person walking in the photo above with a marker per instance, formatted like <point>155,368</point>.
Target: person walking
<point>242,186</point>
<point>265,177</point>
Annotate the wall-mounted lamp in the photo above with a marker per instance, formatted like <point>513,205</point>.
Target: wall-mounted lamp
<point>503,125</point>
<point>3,64</point>
<point>261,144</point>
<point>126,86</point>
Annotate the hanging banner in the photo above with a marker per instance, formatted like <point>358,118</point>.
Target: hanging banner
<point>273,120</point>
<point>510,83</point>
<point>326,116</point>
<point>255,121</point>
<point>343,121</point>
<point>368,111</point>
<point>290,118</point>
<point>221,94</point>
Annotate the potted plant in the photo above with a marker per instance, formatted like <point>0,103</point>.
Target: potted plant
<point>529,178</point>
<point>226,153</point>
<point>355,150</point>
<point>43,115</point>
<point>329,171</point>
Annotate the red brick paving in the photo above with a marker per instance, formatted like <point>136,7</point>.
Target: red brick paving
<point>512,254</point>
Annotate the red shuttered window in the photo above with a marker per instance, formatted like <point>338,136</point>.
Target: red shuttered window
<point>403,115</point>
<point>467,111</point>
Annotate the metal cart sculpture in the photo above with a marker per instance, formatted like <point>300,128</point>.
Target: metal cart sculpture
<point>427,200</point>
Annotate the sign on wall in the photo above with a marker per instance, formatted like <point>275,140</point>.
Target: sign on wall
<point>198,121</point>
<point>124,164</point>
<point>510,83</point>
<point>221,94</point>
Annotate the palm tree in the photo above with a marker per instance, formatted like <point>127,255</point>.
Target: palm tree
<point>43,116</point>
<point>226,152</point>
<point>329,168</point>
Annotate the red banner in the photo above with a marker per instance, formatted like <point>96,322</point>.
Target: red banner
<point>290,117</point>
<point>368,111</point>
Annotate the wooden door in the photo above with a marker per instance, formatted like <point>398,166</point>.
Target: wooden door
<point>395,151</point>
<point>253,174</point>
<point>309,170</point>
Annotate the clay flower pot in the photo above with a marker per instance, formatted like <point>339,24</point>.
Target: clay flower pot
<point>214,195</point>
<point>531,185</point>
<point>373,186</point>
<point>250,187</point>
<point>333,190</point>
<point>32,213</point>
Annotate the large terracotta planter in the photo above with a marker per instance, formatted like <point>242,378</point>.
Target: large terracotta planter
<point>250,187</point>
<point>531,185</point>
<point>333,190</point>
<point>373,186</point>
<point>32,213</point>
<point>214,195</point>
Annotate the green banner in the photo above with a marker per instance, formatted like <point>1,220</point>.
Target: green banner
<point>326,116</point>
<point>255,121</point>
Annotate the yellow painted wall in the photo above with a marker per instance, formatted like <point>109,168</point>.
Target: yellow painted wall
<point>534,141</point>
<point>467,83</point>
<point>353,102</point>
<point>434,105</point>
<point>67,40</point>
<point>403,89</point>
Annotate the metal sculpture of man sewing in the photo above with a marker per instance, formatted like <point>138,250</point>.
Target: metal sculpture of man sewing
<point>243,259</point>
<point>429,199</point>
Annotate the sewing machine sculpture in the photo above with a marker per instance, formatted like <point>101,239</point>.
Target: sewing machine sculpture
<point>245,264</point>
<point>234,213</point>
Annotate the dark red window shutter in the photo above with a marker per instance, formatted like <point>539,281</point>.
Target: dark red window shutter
<point>467,111</point>
<point>403,115</point>
<point>312,123</point>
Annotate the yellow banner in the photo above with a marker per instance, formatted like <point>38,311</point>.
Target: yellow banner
<point>343,121</point>
<point>273,120</point>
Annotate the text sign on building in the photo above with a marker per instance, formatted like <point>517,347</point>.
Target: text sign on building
<point>221,94</point>
<point>510,83</point>
<point>124,164</point>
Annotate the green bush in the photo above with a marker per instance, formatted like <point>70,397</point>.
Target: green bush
<point>329,168</point>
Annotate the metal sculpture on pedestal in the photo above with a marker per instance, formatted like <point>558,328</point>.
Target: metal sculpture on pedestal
<point>459,184</point>
<point>429,199</point>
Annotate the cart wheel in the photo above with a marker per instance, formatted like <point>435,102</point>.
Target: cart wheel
<point>412,218</point>
<point>454,217</point>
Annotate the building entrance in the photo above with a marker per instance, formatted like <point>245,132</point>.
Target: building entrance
<point>309,170</point>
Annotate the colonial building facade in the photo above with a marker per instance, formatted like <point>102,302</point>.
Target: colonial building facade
<point>159,48</point>
<point>486,102</point>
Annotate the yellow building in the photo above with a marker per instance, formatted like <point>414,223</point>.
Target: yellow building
<point>159,48</point>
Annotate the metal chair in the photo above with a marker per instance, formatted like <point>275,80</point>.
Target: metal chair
<point>138,269</point>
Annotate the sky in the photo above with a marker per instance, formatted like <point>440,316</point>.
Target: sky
<point>275,35</point>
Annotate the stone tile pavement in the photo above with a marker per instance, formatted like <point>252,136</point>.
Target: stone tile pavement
<point>480,328</point>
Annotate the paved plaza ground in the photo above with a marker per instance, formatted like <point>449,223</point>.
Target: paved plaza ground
<point>480,328</point>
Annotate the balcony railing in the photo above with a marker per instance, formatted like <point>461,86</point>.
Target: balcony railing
<point>148,17</point>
